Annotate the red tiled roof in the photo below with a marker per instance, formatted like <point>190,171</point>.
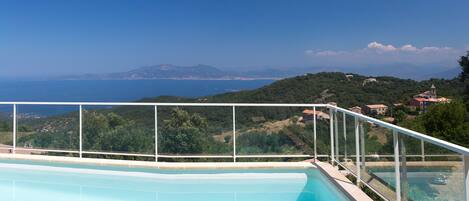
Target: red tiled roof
<point>435,100</point>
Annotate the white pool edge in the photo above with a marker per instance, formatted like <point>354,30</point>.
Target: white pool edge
<point>341,182</point>
<point>159,165</point>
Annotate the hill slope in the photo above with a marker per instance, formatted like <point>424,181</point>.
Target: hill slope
<point>333,87</point>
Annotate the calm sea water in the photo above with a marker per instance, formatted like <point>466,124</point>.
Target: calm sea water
<point>108,91</point>
<point>118,90</point>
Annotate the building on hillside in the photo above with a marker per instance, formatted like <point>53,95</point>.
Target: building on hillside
<point>376,109</point>
<point>389,119</point>
<point>308,116</point>
<point>428,94</point>
<point>349,76</point>
<point>427,98</point>
<point>356,109</point>
<point>369,80</point>
<point>332,103</point>
<point>258,119</point>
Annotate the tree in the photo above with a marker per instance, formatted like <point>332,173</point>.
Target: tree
<point>464,63</point>
<point>464,76</point>
<point>447,122</point>
<point>184,133</point>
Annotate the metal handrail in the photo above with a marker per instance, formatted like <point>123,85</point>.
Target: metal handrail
<point>405,131</point>
<point>166,104</point>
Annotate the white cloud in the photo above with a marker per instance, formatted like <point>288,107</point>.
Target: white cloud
<point>309,52</point>
<point>380,53</point>
<point>328,53</point>
<point>382,48</point>
<point>409,48</point>
<point>324,53</point>
<point>405,48</point>
<point>379,46</point>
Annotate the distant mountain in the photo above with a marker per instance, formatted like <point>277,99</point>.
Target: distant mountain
<point>447,74</point>
<point>206,72</point>
<point>163,71</point>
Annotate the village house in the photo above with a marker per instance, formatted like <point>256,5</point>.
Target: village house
<point>308,116</point>
<point>376,109</point>
<point>349,76</point>
<point>356,109</point>
<point>423,100</point>
<point>332,103</point>
<point>369,80</point>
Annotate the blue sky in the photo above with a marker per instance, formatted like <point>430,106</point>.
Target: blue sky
<point>78,36</point>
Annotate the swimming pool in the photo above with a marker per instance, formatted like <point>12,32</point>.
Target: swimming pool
<point>27,181</point>
<point>420,186</point>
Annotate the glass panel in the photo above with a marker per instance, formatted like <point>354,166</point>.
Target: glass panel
<point>377,163</point>
<point>273,130</point>
<point>195,131</point>
<point>121,129</point>
<point>323,132</point>
<point>6,128</point>
<point>436,176</point>
<point>347,145</point>
<point>47,127</point>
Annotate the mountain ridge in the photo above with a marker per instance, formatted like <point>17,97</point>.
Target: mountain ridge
<point>207,72</point>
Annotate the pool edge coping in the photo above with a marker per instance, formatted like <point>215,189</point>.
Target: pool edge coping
<point>341,182</point>
<point>158,165</point>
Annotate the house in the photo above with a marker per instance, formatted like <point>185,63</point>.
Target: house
<point>258,119</point>
<point>308,115</point>
<point>389,119</point>
<point>356,109</point>
<point>424,103</point>
<point>332,103</point>
<point>376,109</point>
<point>427,98</point>
<point>369,80</point>
<point>349,76</point>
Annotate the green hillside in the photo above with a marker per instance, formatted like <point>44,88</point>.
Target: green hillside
<point>333,87</point>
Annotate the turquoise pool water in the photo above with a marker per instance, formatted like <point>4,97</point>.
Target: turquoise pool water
<point>420,185</point>
<point>27,181</point>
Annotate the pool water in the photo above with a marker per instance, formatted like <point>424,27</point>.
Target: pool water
<point>40,182</point>
<point>420,186</point>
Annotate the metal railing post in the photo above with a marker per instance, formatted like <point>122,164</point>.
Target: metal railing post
<point>345,135</point>
<point>422,150</point>
<point>331,131</point>
<point>14,129</point>
<point>403,170</point>
<point>357,150</point>
<point>314,134</point>
<point>362,146</point>
<point>397,165</point>
<point>234,134</point>
<point>156,133</point>
<point>466,177</point>
<point>81,131</point>
<point>336,136</point>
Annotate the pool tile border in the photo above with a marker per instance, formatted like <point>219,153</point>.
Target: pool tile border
<point>159,165</point>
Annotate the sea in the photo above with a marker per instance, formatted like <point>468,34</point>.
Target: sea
<point>113,90</point>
